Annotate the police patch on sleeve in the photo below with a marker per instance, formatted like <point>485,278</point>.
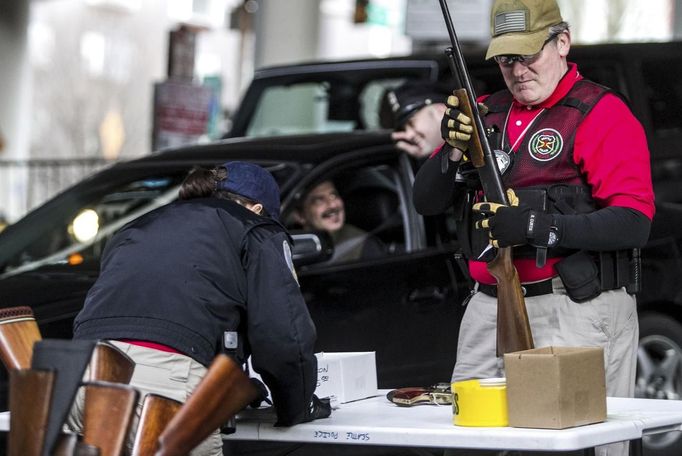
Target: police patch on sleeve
<point>286,249</point>
<point>545,145</point>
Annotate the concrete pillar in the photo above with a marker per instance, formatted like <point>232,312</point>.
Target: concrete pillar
<point>14,78</point>
<point>15,93</point>
<point>286,31</point>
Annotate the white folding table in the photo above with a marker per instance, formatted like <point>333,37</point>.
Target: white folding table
<point>375,421</point>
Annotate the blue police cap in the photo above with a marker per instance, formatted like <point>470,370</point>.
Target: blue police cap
<point>252,182</point>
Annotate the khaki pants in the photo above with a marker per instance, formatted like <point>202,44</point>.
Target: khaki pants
<point>608,321</point>
<point>169,374</point>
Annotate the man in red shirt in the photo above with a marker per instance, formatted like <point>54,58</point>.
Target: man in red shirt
<point>578,161</point>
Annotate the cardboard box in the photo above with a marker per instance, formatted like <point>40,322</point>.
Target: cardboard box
<point>555,387</point>
<point>348,376</point>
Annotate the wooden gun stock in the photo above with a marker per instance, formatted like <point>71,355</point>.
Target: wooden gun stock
<point>109,364</point>
<point>513,328</point>
<point>475,147</point>
<point>157,412</point>
<point>108,412</point>
<point>30,391</point>
<point>224,391</point>
<point>18,332</point>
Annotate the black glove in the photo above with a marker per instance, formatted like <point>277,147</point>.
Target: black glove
<point>456,127</point>
<point>262,394</point>
<point>516,224</point>
<point>319,408</point>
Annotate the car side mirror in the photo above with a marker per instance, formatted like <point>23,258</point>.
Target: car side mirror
<point>311,247</point>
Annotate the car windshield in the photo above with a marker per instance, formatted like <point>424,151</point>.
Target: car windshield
<point>318,107</point>
<point>74,231</point>
<point>73,228</point>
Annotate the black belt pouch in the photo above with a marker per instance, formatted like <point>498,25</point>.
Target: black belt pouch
<point>580,276</point>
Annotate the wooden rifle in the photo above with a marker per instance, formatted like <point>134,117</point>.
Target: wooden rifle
<point>157,412</point>
<point>513,328</point>
<point>30,392</point>
<point>109,364</point>
<point>107,416</point>
<point>221,394</point>
<point>18,332</point>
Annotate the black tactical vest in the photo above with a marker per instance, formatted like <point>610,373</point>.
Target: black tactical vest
<point>542,171</point>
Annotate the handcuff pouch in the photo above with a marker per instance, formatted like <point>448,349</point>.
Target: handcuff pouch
<point>580,276</point>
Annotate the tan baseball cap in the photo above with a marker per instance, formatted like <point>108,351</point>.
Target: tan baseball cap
<point>521,26</point>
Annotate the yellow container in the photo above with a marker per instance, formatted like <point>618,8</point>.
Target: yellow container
<point>481,403</point>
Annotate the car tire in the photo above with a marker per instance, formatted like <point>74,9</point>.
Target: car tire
<point>659,373</point>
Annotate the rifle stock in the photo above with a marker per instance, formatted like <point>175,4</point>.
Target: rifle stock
<point>109,364</point>
<point>513,328</point>
<point>18,332</point>
<point>30,391</point>
<point>157,412</point>
<point>221,394</point>
<point>107,415</point>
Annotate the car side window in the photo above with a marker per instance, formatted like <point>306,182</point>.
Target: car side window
<point>359,209</point>
<point>299,108</point>
<point>374,206</point>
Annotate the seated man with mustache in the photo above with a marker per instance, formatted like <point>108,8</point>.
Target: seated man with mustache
<point>322,209</point>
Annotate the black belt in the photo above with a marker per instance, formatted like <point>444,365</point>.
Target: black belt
<point>528,289</point>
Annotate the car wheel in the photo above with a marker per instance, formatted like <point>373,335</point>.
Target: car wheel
<point>659,373</point>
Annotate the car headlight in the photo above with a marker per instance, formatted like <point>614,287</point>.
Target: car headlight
<point>85,225</point>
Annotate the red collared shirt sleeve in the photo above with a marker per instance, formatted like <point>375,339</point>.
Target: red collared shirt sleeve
<point>611,150</point>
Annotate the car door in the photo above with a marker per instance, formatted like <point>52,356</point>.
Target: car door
<point>403,305</point>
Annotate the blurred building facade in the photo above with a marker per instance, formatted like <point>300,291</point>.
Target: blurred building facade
<point>78,76</point>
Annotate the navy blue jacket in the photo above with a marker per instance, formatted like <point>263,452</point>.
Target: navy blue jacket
<point>184,273</point>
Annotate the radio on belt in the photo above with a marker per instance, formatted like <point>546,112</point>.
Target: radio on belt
<point>231,340</point>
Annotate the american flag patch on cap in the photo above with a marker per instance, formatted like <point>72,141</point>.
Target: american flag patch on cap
<point>510,21</point>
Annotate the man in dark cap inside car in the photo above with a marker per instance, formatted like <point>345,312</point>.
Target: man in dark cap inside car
<point>413,110</point>
<point>214,265</point>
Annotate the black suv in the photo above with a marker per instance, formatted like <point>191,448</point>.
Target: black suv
<point>406,305</point>
<point>402,305</point>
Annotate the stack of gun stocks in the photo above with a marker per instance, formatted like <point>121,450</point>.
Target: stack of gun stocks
<point>45,376</point>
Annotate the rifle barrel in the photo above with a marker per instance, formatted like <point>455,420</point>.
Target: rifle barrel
<point>513,329</point>
<point>493,187</point>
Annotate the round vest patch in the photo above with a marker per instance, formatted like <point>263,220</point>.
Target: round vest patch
<point>545,145</point>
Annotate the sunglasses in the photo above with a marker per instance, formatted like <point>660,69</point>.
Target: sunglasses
<point>523,59</point>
